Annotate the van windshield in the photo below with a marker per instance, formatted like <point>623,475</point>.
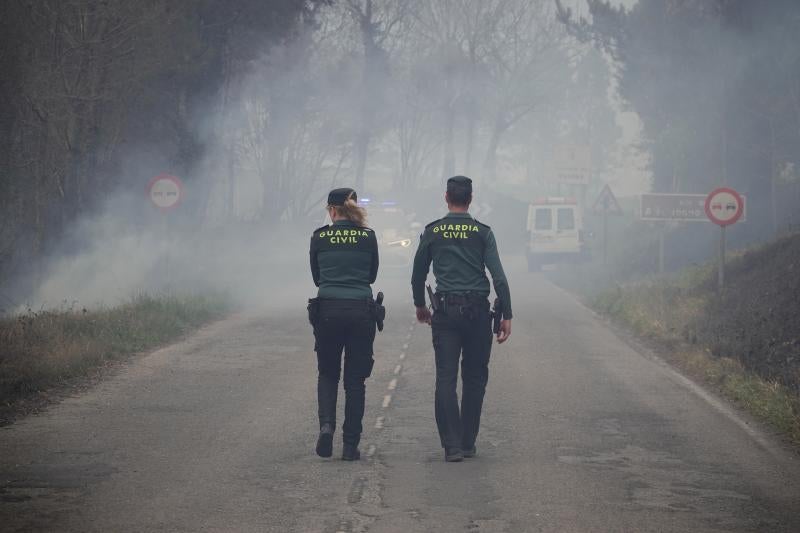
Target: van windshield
<point>566,218</point>
<point>544,220</point>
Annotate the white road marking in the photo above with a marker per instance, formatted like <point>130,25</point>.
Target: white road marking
<point>371,450</point>
<point>379,423</point>
<point>405,346</point>
<point>393,384</point>
<point>402,355</point>
<point>398,369</point>
<point>387,400</point>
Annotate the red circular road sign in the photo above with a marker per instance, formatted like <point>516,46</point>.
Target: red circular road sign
<point>165,191</point>
<point>724,206</point>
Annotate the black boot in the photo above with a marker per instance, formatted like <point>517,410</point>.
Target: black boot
<point>325,441</point>
<point>350,452</point>
<point>453,455</point>
<point>327,389</point>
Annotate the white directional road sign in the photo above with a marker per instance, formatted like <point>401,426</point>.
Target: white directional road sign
<point>573,164</point>
<point>165,191</point>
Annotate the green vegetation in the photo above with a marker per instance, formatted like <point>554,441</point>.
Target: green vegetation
<point>744,342</point>
<point>40,350</point>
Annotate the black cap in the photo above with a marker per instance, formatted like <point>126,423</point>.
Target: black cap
<point>459,184</point>
<point>340,196</point>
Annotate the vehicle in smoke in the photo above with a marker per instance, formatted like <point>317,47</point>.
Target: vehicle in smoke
<point>396,230</point>
<point>555,233</point>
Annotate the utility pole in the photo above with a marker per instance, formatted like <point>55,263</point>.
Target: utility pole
<point>721,263</point>
<point>772,185</point>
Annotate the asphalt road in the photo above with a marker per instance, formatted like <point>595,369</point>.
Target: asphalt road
<point>216,433</point>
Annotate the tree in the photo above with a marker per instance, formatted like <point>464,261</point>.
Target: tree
<point>527,58</point>
<point>713,84</point>
<point>87,83</point>
<point>377,20</point>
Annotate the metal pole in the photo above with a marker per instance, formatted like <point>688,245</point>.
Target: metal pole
<point>721,276</point>
<point>773,165</point>
<point>165,238</point>
<point>605,235</point>
<point>583,197</point>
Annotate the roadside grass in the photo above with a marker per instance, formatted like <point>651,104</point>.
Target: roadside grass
<point>44,349</point>
<point>672,312</point>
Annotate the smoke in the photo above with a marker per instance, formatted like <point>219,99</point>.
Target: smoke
<point>393,117</point>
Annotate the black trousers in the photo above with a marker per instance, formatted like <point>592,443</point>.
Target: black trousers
<point>461,333</point>
<point>349,326</point>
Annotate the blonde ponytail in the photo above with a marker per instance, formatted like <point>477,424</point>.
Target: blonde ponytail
<point>352,212</point>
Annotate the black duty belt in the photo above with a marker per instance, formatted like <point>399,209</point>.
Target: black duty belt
<point>375,307</point>
<point>344,302</point>
<point>461,298</point>
<point>351,300</point>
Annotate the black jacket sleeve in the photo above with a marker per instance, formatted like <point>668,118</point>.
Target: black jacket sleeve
<point>314,261</point>
<point>373,273</point>
<point>422,265</point>
<point>492,260</point>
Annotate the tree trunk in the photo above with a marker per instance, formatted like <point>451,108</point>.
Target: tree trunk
<point>449,162</point>
<point>361,151</point>
<point>374,68</point>
<point>490,161</point>
<point>470,143</point>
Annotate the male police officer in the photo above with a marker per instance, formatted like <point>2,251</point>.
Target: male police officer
<point>461,248</point>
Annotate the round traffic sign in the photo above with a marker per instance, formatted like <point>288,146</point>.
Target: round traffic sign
<point>165,191</point>
<point>724,206</point>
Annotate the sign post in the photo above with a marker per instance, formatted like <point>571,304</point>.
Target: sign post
<point>671,207</point>
<point>607,204</point>
<point>723,206</point>
<point>165,192</point>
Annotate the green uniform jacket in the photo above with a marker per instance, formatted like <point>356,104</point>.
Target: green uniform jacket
<point>461,249</point>
<point>344,260</point>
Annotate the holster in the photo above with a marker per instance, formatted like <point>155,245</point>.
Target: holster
<point>497,315</point>
<point>313,311</point>
<point>379,311</point>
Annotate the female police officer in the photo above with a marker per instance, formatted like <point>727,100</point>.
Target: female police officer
<point>344,263</point>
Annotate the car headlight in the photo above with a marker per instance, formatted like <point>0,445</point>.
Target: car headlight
<point>405,243</point>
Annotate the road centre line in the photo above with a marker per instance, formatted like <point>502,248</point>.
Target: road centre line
<point>393,384</point>
<point>402,355</point>
<point>398,369</point>
<point>387,400</point>
<point>371,450</point>
<point>379,423</point>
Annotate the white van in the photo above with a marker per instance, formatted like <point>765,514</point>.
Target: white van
<point>555,232</point>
